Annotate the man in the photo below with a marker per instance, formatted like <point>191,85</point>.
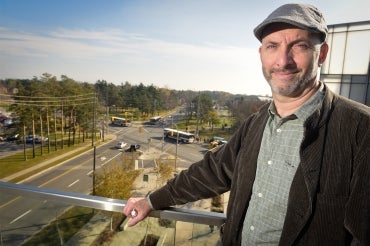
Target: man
<point>298,170</point>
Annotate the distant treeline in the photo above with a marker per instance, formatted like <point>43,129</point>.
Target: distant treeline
<point>147,100</point>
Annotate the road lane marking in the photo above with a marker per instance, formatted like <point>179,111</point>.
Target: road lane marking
<point>73,183</point>
<point>9,202</point>
<point>19,217</point>
<point>110,159</point>
<point>55,178</point>
<point>65,173</point>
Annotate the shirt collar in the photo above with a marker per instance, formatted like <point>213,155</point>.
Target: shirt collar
<point>307,108</point>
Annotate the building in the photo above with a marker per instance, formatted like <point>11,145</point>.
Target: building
<point>346,69</point>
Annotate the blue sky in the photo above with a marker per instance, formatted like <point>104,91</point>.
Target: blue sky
<point>194,44</point>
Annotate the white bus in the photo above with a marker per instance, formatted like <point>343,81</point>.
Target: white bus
<point>184,137</point>
<point>155,120</point>
<point>120,121</point>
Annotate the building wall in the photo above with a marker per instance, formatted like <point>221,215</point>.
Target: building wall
<point>346,70</point>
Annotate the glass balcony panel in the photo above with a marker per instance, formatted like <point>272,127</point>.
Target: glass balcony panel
<point>23,217</point>
<point>27,211</point>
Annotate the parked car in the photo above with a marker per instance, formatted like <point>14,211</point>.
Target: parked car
<point>38,139</point>
<point>12,137</point>
<point>2,117</point>
<point>8,122</point>
<point>29,139</point>
<point>121,145</point>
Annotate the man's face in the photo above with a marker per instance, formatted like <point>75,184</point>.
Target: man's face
<point>290,59</point>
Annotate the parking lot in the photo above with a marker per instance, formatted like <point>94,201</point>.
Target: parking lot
<point>9,148</point>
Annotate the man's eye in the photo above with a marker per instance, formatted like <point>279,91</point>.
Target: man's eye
<point>270,46</point>
<point>301,46</point>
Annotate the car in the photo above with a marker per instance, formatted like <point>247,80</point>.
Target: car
<point>133,147</point>
<point>13,137</point>
<point>8,122</point>
<point>38,139</point>
<point>29,139</point>
<point>2,117</point>
<point>121,145</point>
<point>216,143</point>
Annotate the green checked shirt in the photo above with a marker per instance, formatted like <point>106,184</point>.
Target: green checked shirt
<point>277,163</point>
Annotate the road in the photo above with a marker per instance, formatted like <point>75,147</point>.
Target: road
<point>21,217</point>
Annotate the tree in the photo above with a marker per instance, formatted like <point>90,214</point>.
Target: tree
<point>115,181</point>
<point>36,98</point>
<point>213,118</point>
<point>244,106</point>
<point>203,105</point>
<point>165,171</point>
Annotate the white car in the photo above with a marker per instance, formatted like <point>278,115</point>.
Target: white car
<point>121,145</point>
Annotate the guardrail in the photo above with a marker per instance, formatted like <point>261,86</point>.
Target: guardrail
<point>109,204</point>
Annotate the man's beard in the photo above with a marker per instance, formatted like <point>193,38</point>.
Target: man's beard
<point>291,88</point>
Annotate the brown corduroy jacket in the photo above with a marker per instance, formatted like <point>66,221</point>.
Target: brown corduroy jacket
<point>329,197</point>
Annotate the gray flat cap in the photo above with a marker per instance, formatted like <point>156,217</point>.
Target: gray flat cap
<point>304,16</point>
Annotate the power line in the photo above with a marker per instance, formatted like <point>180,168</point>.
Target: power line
<point>39,101</point>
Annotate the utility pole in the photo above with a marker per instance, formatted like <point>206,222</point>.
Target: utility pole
<point>177,144</point>
<point>94,164</point>
<point>198,109</point>
<point>93,129</point>
<point>162,136</point>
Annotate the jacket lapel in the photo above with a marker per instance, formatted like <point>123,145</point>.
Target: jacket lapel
<point>305,183</point>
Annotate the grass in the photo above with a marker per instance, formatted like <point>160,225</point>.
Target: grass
<point>17,162</point>
<point>63,228</point>
<point>219,132</point>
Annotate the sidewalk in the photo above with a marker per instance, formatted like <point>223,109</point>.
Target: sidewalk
<point>178,233</point>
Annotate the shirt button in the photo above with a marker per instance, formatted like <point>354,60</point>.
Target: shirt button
<point>269,162</point>
<point>259,194</point>
<point>252,228</point>
<point>278,130</point>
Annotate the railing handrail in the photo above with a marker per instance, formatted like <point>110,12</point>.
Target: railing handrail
<point>110,204</point>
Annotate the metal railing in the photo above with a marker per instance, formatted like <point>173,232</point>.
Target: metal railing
<point>109,204</point>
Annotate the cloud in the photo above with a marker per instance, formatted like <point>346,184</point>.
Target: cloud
<point>113,54</point>
<point>74,43</point>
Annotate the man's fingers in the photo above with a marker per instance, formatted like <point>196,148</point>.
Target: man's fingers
<point>134,220</point>
<point>136,209</point>
<point>133,213</point>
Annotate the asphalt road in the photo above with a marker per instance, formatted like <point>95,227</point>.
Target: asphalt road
<point>21,217</point>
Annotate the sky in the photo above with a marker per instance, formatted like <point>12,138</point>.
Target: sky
<point>181,45</point>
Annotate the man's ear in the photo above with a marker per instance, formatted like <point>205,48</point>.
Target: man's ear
<point>323,53</point>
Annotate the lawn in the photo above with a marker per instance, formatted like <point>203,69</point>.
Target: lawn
<point>20,161</point>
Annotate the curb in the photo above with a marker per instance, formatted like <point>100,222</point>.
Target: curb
<point>48,161</point>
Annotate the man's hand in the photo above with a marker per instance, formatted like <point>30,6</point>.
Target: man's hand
<point>137,209</point>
